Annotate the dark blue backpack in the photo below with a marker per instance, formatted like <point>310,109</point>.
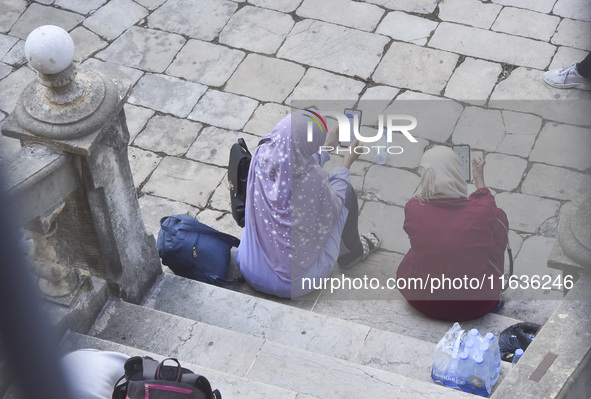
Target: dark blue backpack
<point>194,250</point>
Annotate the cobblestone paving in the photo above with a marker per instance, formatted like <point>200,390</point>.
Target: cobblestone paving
<point>205,72</point>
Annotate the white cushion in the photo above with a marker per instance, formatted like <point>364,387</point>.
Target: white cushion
<point>92,374</point>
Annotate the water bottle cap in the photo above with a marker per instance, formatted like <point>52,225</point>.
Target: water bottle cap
<point>478,359</point>
<point>519,352</point>
<point>473,332</point>
<point>464,355</point>
<point>489,336</point>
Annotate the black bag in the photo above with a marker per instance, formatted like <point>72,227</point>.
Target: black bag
<point>194,250</point>
<point>518,336</point>
<point>238,167</point>
<point>145,378</point>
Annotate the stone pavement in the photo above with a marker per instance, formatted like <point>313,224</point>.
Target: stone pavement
<point>205,72</point>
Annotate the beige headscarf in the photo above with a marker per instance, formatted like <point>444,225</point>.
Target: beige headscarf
<point>441,175</point>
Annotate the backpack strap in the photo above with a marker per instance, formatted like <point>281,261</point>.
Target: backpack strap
<point>242,144</point>
<point>120,390</point>
<point>510,253</point>
<point>265,140</point>
<point>179,370</point>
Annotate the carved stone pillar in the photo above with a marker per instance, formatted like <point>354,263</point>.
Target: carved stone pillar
<point>80,113</point>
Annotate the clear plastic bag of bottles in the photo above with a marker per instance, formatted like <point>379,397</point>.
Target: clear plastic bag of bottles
<point>467,361</point>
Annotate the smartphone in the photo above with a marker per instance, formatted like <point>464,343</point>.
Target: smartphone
<point>463,151</point>
<point>350,114</point>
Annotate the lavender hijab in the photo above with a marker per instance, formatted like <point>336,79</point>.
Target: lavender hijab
<point>291,207</point>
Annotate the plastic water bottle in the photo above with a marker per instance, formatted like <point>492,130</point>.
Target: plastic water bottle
<point>474,336</point>
<point>382,149</point>
<point>465,371</point>
<point>489,360</point>
<point>493,345</point>
<point>517,356</point>
<point>481,380</point>
<point>470,348</point>
<point>451,374</point>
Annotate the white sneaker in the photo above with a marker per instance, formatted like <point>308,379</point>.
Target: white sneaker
<point>567,78</point>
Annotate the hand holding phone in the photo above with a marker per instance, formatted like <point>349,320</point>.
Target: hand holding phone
<point>352,156</point>
<point>463,152</point>
<point>478,165</point>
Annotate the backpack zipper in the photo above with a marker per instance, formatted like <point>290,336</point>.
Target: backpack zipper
<point>166,388</point>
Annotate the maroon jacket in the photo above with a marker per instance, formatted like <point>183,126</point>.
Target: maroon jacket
<point>456,258</point>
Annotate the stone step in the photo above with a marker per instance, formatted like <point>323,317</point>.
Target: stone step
<point>292,327</point>
<point>388,335</point>
<point>387,309</point>
<point>254,358</point>
<point>230,386</point>
<point>384,309</point>
<point>398,316</point>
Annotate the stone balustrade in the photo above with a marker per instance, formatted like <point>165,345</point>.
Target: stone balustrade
<point>71,181</point>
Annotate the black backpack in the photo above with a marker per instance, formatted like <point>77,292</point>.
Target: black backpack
<point>238,166</point>
<point>146,378</point>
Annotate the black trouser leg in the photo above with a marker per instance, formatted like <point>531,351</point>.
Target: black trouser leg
<point>350,235</point>
<point>584,67</point>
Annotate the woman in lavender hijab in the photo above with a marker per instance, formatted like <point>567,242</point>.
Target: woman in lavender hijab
<point>300,220</point>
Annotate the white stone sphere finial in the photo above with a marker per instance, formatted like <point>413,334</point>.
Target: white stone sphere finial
<point>49,49</point>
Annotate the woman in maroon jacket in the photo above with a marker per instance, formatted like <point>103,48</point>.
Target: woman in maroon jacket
<point>454,268</point>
